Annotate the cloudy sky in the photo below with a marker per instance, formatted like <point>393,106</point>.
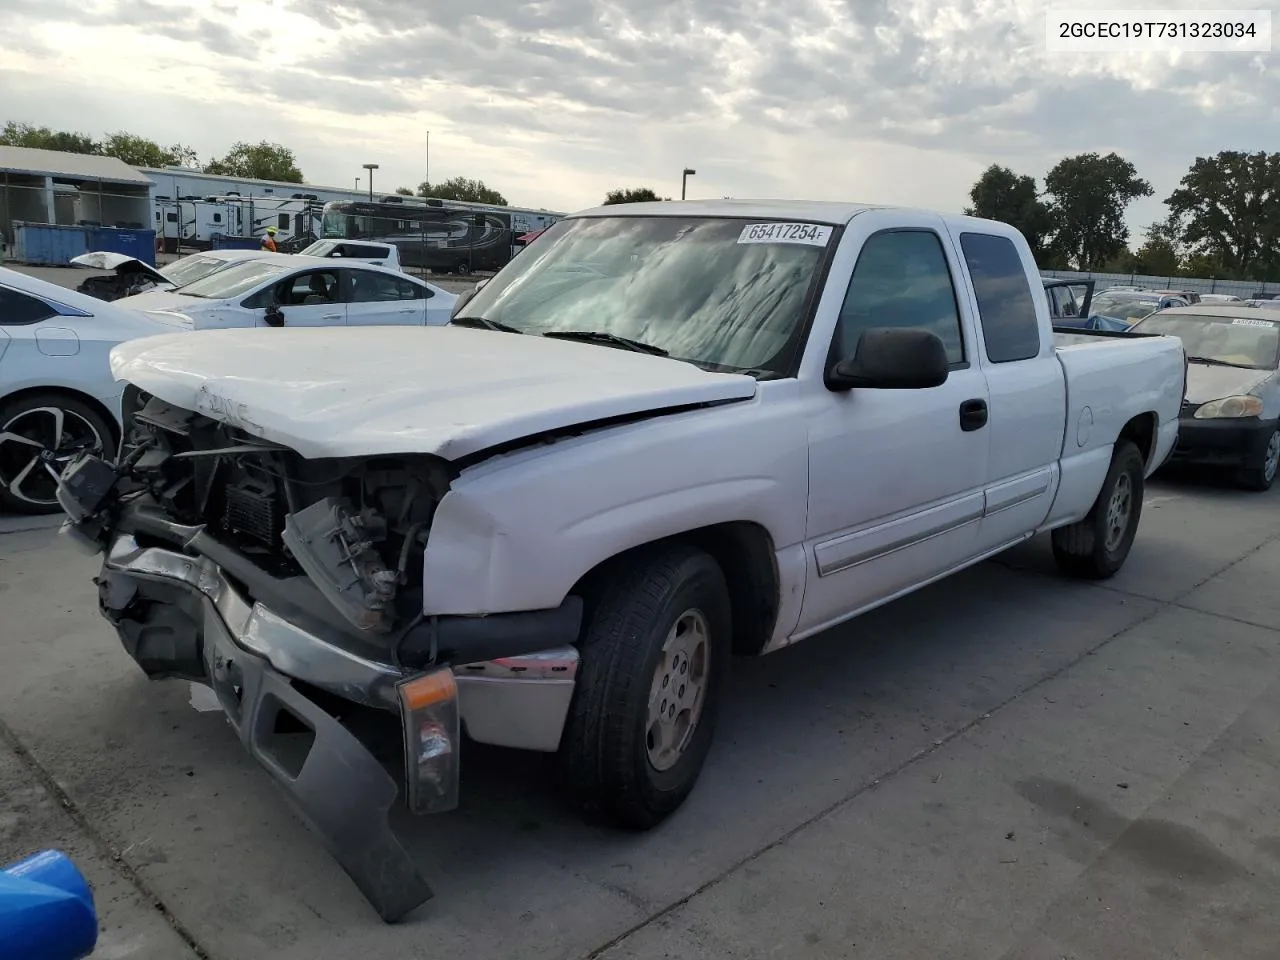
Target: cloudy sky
<point>553,102</point>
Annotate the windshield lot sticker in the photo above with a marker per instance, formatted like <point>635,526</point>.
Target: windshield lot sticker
<point>813,234</point>
<point>1251,322</point>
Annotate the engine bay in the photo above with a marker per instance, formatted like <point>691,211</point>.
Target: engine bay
<point>355,527</point>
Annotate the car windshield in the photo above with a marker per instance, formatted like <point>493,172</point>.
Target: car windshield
<point>1236,341</point>
<point>1124,308</point>
<point>234,281</point>
<point>723,293</point>
<point>190,269</point>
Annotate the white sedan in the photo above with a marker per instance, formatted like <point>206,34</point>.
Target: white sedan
<point>296,291</point>
<point>132,276</point>
<point>57,395</point>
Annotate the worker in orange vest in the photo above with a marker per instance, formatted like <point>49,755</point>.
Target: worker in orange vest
<point>269,240</point>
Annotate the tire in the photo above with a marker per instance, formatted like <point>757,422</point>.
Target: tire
<point>609,766</point>
<point>26,431</point>
<point>462,269</point>
<point>1084,549</point>
<point>1262,474</point>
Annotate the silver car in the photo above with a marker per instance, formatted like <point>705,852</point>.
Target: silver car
<point>1231,411</point>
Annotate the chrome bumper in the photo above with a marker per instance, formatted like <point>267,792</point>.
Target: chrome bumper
<point>249,655</point>
<point>519,702</point>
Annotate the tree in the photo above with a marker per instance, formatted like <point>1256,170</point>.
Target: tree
<point>460,188</point>
<point>257,161</point>
<point>17,134</point>
<point>631,195</point>
<point>404,191</point>
<point>141,152</point>
<point>1001,194</point>
<point>1089,195</point>
<point>1161,254</point>
<point>1231,205</point>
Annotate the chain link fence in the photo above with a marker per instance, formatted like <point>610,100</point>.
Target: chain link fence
<point>1245,289</point>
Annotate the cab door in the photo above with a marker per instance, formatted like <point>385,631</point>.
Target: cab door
<point>895,476</point>
<point>1028,396</point>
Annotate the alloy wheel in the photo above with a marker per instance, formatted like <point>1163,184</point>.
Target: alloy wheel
<point>35,447</point>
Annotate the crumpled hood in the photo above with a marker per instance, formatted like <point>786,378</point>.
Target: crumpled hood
<point>448,391</point>
<point>1205,382</point>
<point>121,263</point>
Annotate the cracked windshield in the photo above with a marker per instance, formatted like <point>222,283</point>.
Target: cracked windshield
<point>707,290</point>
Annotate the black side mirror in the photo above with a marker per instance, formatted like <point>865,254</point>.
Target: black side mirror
<point>892,358</point>
<point>274,316</point>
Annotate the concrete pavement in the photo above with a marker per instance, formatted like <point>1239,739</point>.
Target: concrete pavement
<point>1005,765</point>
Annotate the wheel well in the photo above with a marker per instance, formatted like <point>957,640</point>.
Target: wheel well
<point>745,553</point>
<point>92,402</point>
<point>1141,430</point>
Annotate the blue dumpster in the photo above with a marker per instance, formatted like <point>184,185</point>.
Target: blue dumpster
<point>133,243</point>
<point>48,244</point>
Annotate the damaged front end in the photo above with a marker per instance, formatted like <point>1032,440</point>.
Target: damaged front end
<point>294,589</point>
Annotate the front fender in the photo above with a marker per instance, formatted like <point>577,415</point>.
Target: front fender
<point>518,532</point>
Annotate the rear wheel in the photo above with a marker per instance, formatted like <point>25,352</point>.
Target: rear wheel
<point>39,435</point>
<point>1096,547</point>
<point>1262,473</point>
<point>462,269</point>
<point>654,658</point>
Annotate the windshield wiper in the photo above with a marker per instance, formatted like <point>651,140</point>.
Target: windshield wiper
<point>612,339</point>
<point>1217,363</point>
<point>484,323</point>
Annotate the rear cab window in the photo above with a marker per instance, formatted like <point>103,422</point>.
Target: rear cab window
<point>1006,308</point>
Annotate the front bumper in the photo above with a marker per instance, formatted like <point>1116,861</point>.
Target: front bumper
<point>1235,442</point>
<point>260,664</point>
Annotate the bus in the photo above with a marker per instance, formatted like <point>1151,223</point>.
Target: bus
<point>443,236</point>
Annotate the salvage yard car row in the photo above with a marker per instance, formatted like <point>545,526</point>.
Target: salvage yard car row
<point>57,392</point>
<point>663,435</point>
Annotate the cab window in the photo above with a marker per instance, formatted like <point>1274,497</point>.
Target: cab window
<point>1006,309</point>
<point>901,279</point>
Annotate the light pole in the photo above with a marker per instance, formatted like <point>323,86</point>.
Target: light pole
<point>371,167</point>
<point>357,186</point>
<point>684,180</point>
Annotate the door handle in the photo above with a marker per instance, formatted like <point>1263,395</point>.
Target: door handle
<point>330,316</point>
<point>973,415</point>
<point>407,310</point>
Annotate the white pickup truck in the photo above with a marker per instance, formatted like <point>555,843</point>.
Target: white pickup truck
<point>667,433</point>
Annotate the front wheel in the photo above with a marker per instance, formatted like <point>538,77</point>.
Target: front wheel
<point>1096,547</point>
<point>654,658</point>
<point>1262,473</point>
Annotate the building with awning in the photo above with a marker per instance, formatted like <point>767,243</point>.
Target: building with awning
<point>71,189</point>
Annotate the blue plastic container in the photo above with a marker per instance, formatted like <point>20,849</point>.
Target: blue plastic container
<point>46,910</point>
